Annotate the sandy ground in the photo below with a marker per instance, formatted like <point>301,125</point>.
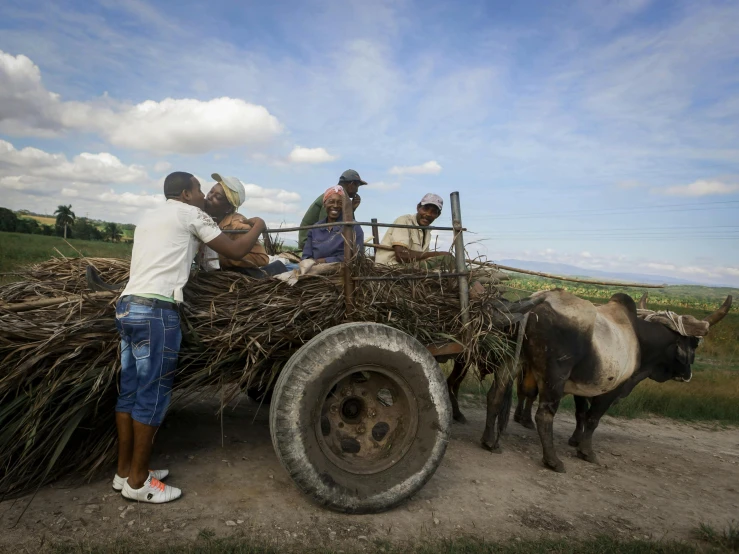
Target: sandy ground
<point>657,479</point>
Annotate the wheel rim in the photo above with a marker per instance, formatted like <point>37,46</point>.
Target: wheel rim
<point>368,419</point>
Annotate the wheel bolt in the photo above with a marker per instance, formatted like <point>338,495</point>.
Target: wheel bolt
<point>346,392</point>
<point>371,412</point>
<point>361,429</point>
<point>334,408</point>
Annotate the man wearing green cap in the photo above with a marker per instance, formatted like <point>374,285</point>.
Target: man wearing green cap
<point>351,182</point>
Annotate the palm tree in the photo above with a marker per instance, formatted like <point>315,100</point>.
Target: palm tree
<point>113,232</point>
<point>64,217</point>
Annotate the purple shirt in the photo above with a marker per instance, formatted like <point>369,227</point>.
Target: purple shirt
<point>328,243</point>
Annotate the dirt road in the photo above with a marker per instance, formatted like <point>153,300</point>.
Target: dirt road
<point>658,479</point>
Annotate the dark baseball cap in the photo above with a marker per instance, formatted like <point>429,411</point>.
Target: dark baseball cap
<point>176,182</point>
<point>350,175</point>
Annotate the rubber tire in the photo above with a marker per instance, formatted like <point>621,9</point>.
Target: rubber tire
<point>296,404</point>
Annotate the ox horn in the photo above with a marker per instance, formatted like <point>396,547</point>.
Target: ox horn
<point>719,314</point>
<point>643,301</point>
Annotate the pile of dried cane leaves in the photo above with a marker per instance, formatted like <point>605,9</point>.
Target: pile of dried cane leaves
<point>58,364</point>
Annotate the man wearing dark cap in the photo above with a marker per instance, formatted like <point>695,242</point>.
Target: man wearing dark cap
<point>164,245</point>
<point>351,182</point>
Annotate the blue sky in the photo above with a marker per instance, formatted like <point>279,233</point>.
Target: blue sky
<point>598,133</point>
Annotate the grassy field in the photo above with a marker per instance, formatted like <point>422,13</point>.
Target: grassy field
<point>126,234</point>
<point>18,249</point>
<point>676,296</point>
<point>42,219</point>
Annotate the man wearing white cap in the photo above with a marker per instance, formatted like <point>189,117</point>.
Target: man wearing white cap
<point>221,203</point>
<point>412,245</point>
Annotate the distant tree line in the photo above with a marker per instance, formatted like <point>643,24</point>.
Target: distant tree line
<point>67,225</point>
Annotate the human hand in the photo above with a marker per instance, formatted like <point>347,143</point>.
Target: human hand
<point>356,201</point>
<point>256,222</point>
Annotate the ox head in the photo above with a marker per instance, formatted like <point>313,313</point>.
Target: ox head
<point>679,350</point>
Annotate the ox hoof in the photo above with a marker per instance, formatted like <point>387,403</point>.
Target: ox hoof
<point>573,441</point>
<point>588,457</point>
<point>528,423</point>
<point>556,465</point>
<point>459,418</point>
<point>494,448</point>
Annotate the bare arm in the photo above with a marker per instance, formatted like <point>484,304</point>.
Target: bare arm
<point>405,255</point>
<point>240,246</point>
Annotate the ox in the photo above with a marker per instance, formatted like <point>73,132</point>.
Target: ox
<point>596,353</point>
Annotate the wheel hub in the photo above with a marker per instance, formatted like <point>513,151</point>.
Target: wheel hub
<point>368,420</point>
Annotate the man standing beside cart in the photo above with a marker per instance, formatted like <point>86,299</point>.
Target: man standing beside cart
<point>164,245</point>
<point>351,181</point>
<point>404,246</point>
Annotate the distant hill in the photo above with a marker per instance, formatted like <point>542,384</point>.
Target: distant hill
<point>574,271</point>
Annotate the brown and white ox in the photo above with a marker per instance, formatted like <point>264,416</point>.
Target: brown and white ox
<point>596,353</point>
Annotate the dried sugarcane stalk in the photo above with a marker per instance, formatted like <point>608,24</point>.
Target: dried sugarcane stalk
<point>47,302</point>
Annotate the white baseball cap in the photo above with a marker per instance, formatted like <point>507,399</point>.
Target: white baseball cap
<point>233,184</point>
<point>433,199</point>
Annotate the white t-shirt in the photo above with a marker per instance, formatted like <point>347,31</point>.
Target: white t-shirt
<point>164,245</point>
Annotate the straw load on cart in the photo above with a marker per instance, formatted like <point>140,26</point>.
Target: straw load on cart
<point>59,347</point>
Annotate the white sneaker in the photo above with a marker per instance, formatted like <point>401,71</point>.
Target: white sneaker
<point>153,492</point>
<point>118,482</point>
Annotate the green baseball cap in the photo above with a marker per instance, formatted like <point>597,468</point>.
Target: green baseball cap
<point>350,175</point>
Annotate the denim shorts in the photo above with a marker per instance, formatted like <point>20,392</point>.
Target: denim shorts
<point>150,344</point>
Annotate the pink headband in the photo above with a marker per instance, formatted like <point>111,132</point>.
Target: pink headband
<point>336,189</point>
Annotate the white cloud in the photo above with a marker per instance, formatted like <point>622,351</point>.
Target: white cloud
<point>33,164</point>
<point>429,168</point>
<point>26,107</point>
<point>37,180</point>
<point>162,166</point>
<point>382,186</point>
<point>301,155</point>
<point>701,187</point>
<point>130,199</point>
<point>185,126</point>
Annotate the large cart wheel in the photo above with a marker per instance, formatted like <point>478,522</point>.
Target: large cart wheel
<point>360,417</point>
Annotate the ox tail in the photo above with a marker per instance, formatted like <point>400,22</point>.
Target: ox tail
<point>505,407</point>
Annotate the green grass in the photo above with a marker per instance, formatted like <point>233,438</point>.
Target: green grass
<point>727,539</point>
<point>462,545</point>
<point>19,249</point>
<point>711,395</point>
<point>42,219</point>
